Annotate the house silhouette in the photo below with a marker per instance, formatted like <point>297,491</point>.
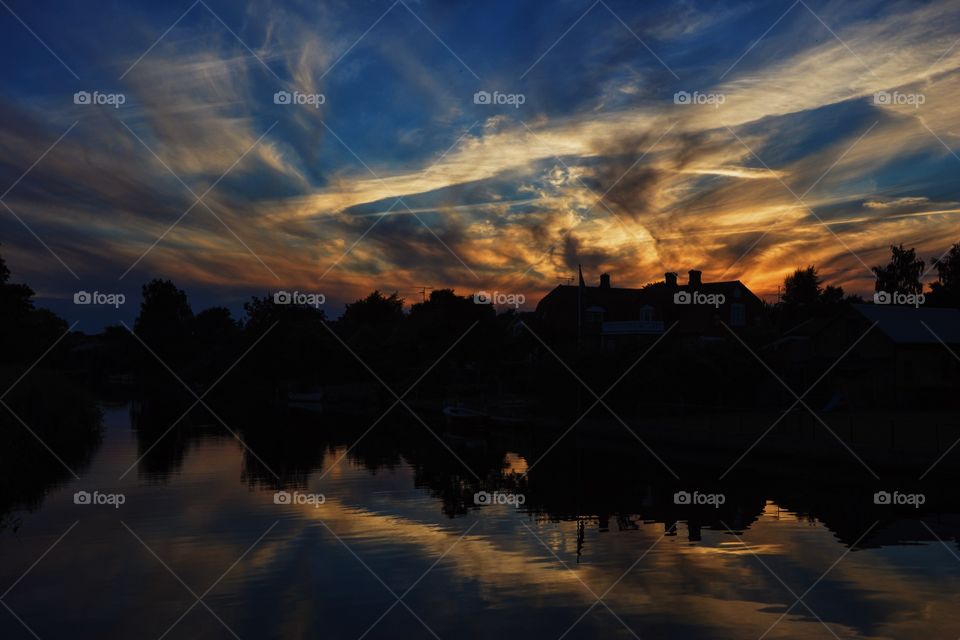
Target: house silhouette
<point>892,356</point>
<point>607,316</point>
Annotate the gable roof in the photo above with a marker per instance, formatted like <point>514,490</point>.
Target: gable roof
<point>734,290</point>
<point>609,299</point>
<point>905,325</point>
<point>598,296</point>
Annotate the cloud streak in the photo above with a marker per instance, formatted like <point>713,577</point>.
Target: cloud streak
<point>626,180</point>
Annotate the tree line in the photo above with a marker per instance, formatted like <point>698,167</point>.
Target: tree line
<point>805,295</point>
<point>462,345</point>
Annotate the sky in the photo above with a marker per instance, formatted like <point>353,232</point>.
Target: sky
<point>339,147</point>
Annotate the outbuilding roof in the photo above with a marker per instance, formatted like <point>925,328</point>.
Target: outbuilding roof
<point>911,325</point>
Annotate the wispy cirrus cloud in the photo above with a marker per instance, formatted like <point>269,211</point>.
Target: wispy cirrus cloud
<point>623,180</point>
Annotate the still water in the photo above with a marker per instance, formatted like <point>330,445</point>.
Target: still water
<point>201,548</point>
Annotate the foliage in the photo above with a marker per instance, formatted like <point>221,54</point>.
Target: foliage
<point>375,310</point>
<point>802,289</point>
<point>946,290</point>
<point>902,273</point>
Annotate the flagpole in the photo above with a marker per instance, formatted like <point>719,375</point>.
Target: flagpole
<point>580,305</point>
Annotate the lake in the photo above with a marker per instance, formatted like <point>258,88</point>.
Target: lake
<point>322,530</point>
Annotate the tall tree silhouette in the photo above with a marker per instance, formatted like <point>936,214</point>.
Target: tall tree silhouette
<point>831,295</point>
<point>164,323</point>
<point>14,298</point>
<point>946,290</point>
<point>802,289</point>
<point>376,311</point>
<point>297,346</point>
<point>25,332</point>
<point>215,334</point>
<point>902,273</point>
<point>804,297</point>
<point>4,271</point>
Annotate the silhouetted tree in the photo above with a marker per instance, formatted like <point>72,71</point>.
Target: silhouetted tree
<point>445,302</point>
<point>374,311</point>
<point>802,289</point>
<point>804,297</point>
<point>902,273</point>
<point>14,298</point>
<point>831,295</point>
<point>164,323</point>
<point>25,332</point>
<point>294,342</point>
<point>61,414</point>
<point>946,290</point>
<point>215,337</point>
<point>214,325</point>
<point>15,302</point>
<point>445,316</point>
<point>4,271</point>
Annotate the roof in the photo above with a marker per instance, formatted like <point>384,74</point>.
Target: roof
<point>613,296</point>
<point>910,325</point>
<point>608,298</point>
<point>732,289</point>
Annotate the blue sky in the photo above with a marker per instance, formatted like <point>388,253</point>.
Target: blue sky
<point>784,155</point>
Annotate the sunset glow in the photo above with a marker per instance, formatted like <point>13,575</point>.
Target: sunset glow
<point>399,179</point>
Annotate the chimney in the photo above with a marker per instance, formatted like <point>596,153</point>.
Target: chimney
<point>694,279</point>
<point>605,281</point>
<point>671,279</point>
